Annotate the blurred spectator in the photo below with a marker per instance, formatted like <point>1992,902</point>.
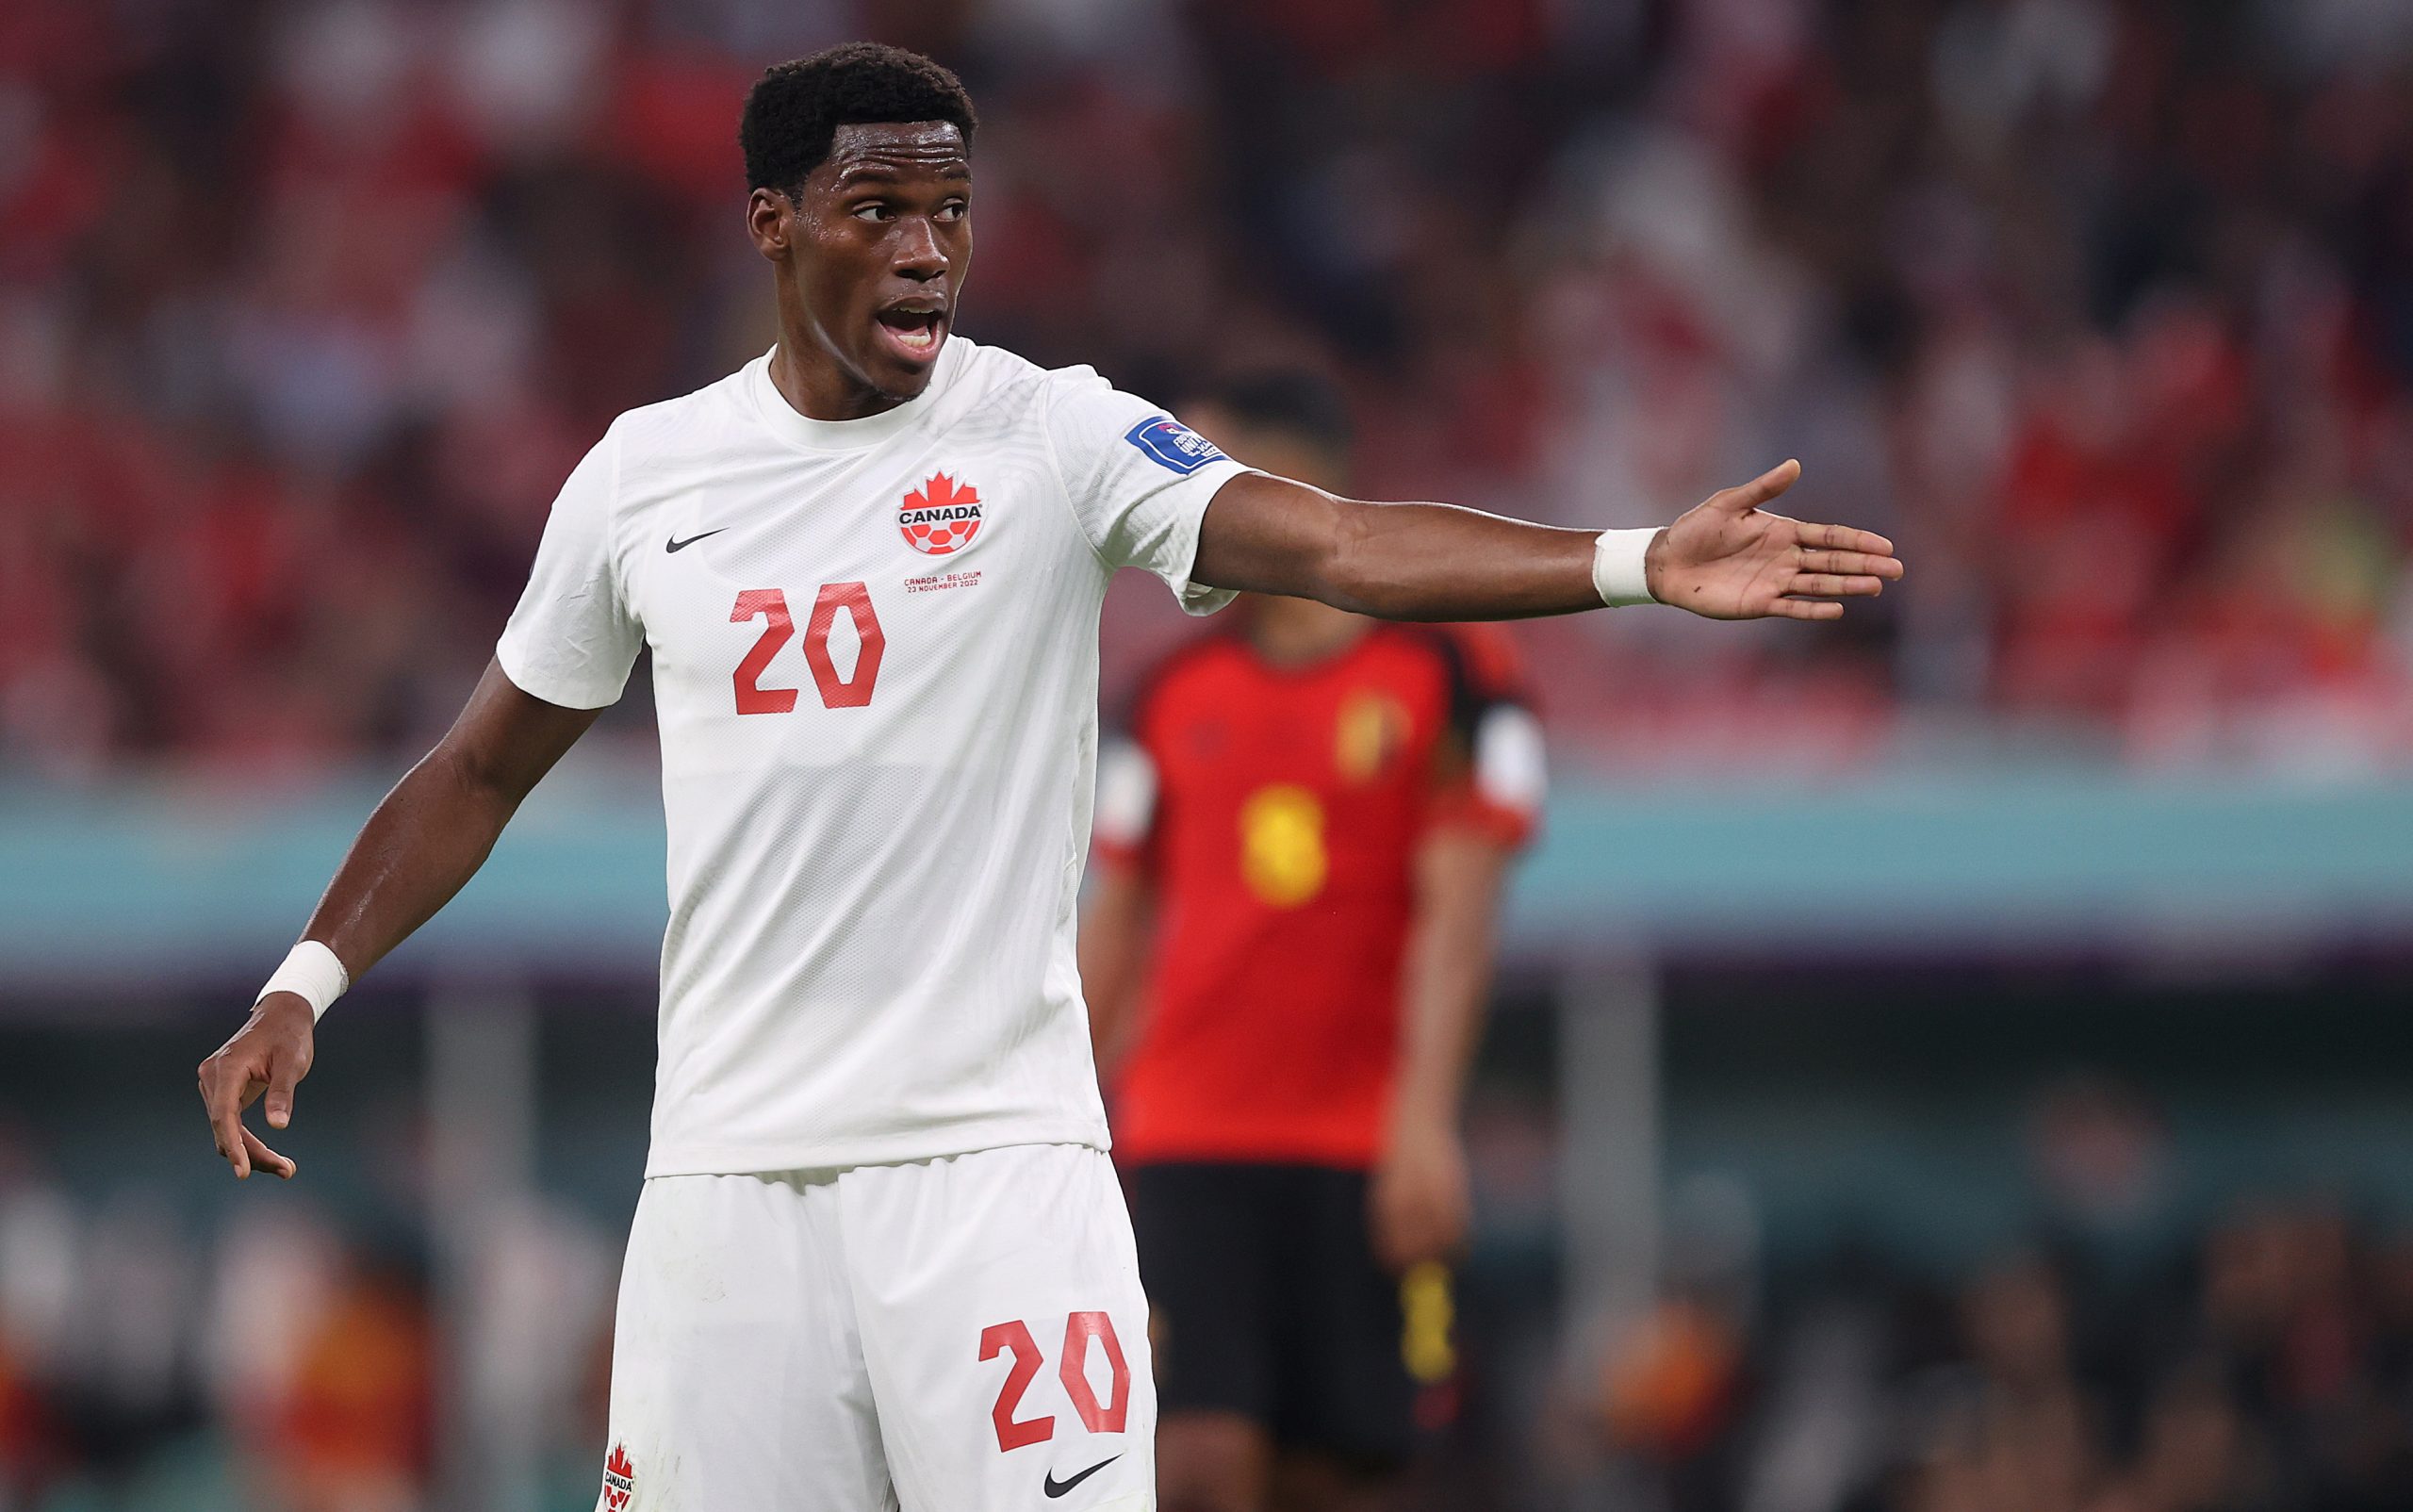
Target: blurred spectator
<point>2100,1159</point>
<point>355,1430</point>
<point>2275,1381</point>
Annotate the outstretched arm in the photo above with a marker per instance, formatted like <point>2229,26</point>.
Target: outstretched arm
<point>425,841</point>
<point>1726,558</point>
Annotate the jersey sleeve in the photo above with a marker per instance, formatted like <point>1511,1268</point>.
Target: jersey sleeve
<point>1138,480</point>
<point>1499,775</point>
<point>1125,826</point>
<point>573,639</point>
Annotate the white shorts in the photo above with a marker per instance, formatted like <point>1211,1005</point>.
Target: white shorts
<point>954,1335</point>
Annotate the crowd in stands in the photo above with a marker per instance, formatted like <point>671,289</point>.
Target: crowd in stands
<point>2270,1370</point>
<point>2106,1345</point>
<point>2103,307</point>
<point>287,1363</point>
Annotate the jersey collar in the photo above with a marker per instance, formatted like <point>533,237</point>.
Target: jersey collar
<point>807,434</point>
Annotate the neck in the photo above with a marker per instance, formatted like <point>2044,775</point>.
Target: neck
<point>819,391</point>
<point>1294,632</point>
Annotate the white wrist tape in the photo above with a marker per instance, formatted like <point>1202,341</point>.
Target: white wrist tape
<point>1618,572</point>
<point>312,973</point>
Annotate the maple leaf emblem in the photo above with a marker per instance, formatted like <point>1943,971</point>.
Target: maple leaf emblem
<point>619,1479</point>
<point>940,517</point>
<point>940,492</point>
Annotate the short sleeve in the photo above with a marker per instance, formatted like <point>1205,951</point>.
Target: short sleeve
<point>1511,775</point>
<point>1138,480</point>
<point>1125,822</point>
<point>573,639</point>
<point>1499,775</point>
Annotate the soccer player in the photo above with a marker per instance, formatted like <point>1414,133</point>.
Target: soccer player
<point>880,1256</point>
<point>1320,810</point>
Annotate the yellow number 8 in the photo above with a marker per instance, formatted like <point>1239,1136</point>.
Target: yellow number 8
<point>1282,853</point>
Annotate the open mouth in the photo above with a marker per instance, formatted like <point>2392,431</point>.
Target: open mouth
<point>914,333</point>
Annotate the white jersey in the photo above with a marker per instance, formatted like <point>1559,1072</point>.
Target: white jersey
<point>875,667</point>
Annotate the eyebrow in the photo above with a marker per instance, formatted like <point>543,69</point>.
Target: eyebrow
<point>882,172</point>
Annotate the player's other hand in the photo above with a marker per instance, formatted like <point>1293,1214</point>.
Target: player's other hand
<point>1728,558</point>
<point>1418,1203</point>
<point>269,1053</point>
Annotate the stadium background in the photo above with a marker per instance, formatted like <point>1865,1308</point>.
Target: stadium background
<point>2052,1153</point>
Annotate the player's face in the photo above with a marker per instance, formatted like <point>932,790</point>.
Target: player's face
<point>877,249</point>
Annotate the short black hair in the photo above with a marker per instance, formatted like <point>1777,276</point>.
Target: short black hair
<point>1294,402</point>
<point>795,108</point>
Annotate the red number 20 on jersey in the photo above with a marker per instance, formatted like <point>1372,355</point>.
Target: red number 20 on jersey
<point>770,605</point>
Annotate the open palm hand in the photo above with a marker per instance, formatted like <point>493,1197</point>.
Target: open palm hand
<point>1726,558</point>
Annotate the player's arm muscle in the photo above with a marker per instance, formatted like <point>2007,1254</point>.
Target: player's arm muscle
<point>425,840</point>
<point>1726,558</point>
<point>1412,560</point>
<point>1116,926</point>
<point>434,830</point>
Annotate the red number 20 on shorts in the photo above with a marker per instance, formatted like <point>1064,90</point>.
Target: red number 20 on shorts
<point>1072,1369</point>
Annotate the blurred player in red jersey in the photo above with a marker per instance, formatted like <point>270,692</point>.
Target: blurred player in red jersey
<point>1303,838</point>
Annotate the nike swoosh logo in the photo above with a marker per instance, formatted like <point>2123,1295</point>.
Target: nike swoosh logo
<point>1055,1487</point>
<point>675,544</point>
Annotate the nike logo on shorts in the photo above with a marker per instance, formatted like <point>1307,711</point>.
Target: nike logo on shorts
<point>1055,1487</point>
<point>675,544</point>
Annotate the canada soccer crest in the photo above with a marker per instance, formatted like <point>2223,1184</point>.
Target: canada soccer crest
<point>619,1479</point>
<point>941,517</point>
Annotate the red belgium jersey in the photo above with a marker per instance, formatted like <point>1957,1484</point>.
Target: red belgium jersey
<point>1277,810</point>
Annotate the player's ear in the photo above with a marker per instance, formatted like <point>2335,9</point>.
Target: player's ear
<point>768,214</point>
